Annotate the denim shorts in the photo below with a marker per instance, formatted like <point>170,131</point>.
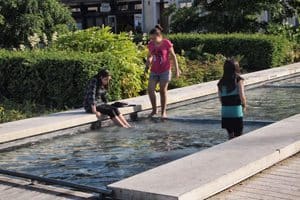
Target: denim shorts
<point>165,76</point>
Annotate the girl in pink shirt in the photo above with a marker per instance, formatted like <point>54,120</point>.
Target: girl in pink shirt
<point>158,60</point>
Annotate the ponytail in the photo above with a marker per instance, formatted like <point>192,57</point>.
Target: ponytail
<point>157,30</point>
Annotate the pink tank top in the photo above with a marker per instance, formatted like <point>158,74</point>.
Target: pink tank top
<point>160,53</point>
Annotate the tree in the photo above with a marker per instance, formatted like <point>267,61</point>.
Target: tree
<point>232,15</point>
<point>21,19</point>
<point>185,20</point>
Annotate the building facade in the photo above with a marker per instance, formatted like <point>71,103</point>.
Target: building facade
<point>122,15</point>
<point>131,15</point>
<point>119,14</point>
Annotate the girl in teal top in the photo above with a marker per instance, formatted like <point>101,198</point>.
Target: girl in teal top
<point>232,97</point>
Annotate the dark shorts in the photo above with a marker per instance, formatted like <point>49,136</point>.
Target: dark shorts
<point>165,76</point>
<point>109,110</point>
<point>233,125</point>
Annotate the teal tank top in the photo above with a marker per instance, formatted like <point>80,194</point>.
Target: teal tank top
<point>231,103</point>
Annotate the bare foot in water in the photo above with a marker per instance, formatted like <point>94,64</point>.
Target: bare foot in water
<point>152,114</point>
<point>164,116</point>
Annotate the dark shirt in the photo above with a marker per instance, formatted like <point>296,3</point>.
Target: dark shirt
<point>95,94</point>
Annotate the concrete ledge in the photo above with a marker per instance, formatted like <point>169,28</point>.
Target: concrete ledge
<point>210,171</point>
<point>39,125</point>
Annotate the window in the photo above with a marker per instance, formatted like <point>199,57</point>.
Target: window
<point>138,7</point>
<point>99,22</point>
<point>186,4</point>
<point>75,10</point>
<point>123,7</point>
<point>264,16</point>
<point>79,24</point>
<point>93,9</point>
<point>90,22</point>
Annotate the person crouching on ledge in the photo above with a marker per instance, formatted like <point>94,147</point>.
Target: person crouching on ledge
<point>232,97</point>
<point>95,100</point>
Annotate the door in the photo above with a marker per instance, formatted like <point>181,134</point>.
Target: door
<point>112,22</point>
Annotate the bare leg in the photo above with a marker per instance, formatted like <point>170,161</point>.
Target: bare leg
<point>152,96</point>
<point>119,122</point>
<point>163,98</point>
<point>237,134</point>
<point>230,134</point>
<point>122,118</point>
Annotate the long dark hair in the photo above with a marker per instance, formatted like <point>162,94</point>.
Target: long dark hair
<point>103,73</point>
<point>157,30</point>
<point>231,75</point>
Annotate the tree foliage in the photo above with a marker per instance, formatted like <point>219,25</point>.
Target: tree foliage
<point>231,15</point>
<point>20,19</point>
<point>185,20</point>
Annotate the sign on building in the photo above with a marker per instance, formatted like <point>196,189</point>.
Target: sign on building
<point>105,7</point>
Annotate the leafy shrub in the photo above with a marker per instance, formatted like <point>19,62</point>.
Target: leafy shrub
<point>259,51</point>
<point>58,79</point>
<point>181,81</point>
<point>296,53</point>
<point>208,68</point>
<point>96,40</point>
<point>290,32</point>
<point>10,111</point>
<point>213,67</point>
<point>102,40</point>
<point>10,115</point>
<point>195,53</point>
<point>141,38</point>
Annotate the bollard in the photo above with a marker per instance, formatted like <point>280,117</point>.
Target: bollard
<point>134,116</point>
<point>96,125</point>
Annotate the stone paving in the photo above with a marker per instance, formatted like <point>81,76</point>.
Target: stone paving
<point>282,181</point>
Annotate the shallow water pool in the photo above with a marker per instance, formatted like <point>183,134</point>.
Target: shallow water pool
<point>110,154</point>
<point>273,101</point>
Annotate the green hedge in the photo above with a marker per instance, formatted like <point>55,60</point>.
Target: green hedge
<point>259,51</point>
<point>58,79</point>
<point>10,111</point>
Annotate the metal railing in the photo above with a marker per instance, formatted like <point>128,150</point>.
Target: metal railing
<point>103,192</point>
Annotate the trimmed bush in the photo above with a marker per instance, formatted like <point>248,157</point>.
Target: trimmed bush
<point>259,51</point>
<point>10,111</point>
<point>58,79</point>
<point>96,40</point>
<point>208,68</point>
